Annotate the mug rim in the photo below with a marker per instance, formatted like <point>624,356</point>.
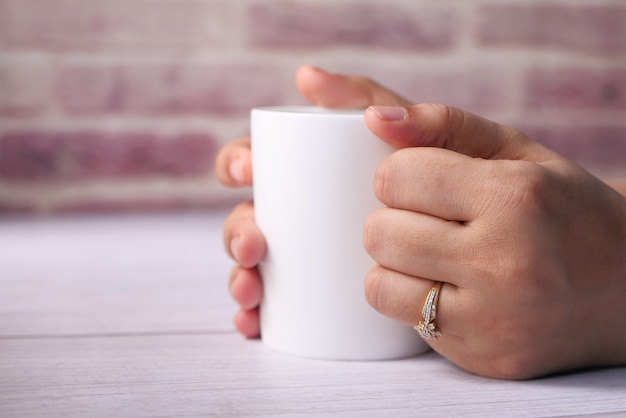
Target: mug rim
<point>309,110</point>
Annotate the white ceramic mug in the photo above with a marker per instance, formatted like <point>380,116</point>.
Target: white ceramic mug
<point>313,173</point>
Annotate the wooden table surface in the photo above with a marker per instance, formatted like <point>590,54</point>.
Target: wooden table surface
<point>130,316</point>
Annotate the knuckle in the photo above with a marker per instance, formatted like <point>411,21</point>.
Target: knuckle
<point>374,292</point>
<point>371,233</point>
<point>241,211</point>
<point>381,181</point>
<point>442,111</point>
<point>233,222</point>
<point>445,122</point>
<point>385,178</point>
<point>238,149</point>
<point>446,115</point>
<point>221,166</point>
<point>527,185</point>
<point>234,272</point>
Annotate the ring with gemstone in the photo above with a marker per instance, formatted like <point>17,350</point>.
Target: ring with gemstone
<point>426,328</point>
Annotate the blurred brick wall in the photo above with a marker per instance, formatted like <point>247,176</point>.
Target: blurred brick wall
<point>122,104</point>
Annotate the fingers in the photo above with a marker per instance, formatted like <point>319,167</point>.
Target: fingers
<point>441,126</point>
<point>419,245</point>
<point>247,323</point>
<point>402,298</point>
<point>442,183</point>
<point>233,165</point>
<point>243,240</point>
<point>455,187</point>
<point>246,245</point>
<point>247,290</point>
<point>340,91</point>
<point>246,287</point>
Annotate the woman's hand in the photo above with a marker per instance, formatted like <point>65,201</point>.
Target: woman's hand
<point>530,247</point>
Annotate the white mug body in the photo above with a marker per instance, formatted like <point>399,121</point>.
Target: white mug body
<point>313,172</point>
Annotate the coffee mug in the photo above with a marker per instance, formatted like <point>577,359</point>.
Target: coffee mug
<point>313,172</point>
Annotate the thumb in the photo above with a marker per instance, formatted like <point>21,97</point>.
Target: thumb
<point>441,126</point>
<point>341,91</point>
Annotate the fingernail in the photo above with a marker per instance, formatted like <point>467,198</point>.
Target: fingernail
<point>234,247</point>
<point>390,113</point>
<point>236,170</point>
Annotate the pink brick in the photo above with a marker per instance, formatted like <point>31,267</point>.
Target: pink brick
<point>8,207</point>
<point>171,88</point>
<point>90,88</point>
<point>598,29</point>
<point>202,88</point>
<point>54,156</point>
<point>136,204</point>
<point>577,89</point>
<point>93,24</point>
<point>480,90</point>
<point>355,23</point>
<point>598,146</point>
<point>24,87</point>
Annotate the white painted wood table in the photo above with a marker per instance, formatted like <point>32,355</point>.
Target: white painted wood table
<point>130,316</point>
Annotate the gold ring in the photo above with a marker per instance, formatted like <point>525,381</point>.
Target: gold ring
<point>426,328</point>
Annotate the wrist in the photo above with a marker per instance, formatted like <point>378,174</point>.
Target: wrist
<point>617,352</point>
<point>618,185</point>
